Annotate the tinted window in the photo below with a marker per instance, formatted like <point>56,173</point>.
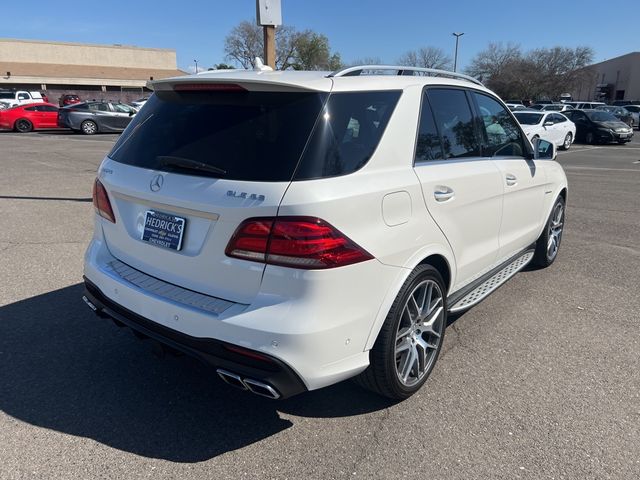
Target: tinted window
<point>347,133</point>
<point>528,118</point>
<point>256,136</point>
<point>47,108</point>
<point>501,132</point>
<point>601,116</point>
<point>428,145</point>
<point>455,122</point>
<point>101,107</point>
<point>23,96</point>
<point>30,109</point>
<point>79,106</point>
<point>558,118</point>
<point>120,108</point>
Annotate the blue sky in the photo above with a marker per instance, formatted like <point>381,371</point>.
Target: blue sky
<point>356,28</point>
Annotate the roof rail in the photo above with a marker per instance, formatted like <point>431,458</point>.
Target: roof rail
<point>402,70</point>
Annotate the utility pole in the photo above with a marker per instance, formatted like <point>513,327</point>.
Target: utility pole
<point>270,45</point>
<point>455,57</point>
<point>196,62</point>
<point>269,15</point>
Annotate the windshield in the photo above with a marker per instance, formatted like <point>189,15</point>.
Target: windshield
<point>528,118</point>
<point>255,136</point>
<point>601,116</point>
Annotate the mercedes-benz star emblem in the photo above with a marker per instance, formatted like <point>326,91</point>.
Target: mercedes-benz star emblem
<point>156,183</point>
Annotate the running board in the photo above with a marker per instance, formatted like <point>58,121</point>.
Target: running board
<point>484,289</point>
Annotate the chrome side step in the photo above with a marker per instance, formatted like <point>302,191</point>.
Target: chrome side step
<point>487,287</point>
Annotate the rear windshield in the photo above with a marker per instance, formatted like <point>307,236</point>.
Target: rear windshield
<point>528,118</point>
<point>255,136</point>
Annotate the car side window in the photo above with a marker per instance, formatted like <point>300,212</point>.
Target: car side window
<point>558,118</point>
<point>428,144</point>
<point>48,108</point>
<point>454,122</point>
<point>30,109</point>
<point>502,135</point>
<point>120,108</point>
<point>23,96</point>
<point>101,107</point>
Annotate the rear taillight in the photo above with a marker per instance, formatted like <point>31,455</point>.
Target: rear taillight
<point>101,202</point>
<point>298,242</point>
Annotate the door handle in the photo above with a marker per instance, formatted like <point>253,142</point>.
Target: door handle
<point>443,193</point>
<point>511,180</point>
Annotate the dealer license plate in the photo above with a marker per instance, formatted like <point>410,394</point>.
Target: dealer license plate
<point>163,229</point>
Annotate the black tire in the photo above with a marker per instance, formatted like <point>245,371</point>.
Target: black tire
<point>382,375</point>
<point>23,125</point>
<point>542,257</point>
<point>568,140</point>
<point>89,127</point>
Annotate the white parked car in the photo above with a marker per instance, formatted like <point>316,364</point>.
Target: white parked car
<point>20,97</point>
<point>550,126</point>
<point>296,229</point>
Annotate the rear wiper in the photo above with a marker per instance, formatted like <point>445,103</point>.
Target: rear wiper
<point>188,164</point>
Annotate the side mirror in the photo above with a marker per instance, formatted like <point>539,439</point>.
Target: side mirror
<point>544,150</point>
<point>548,123</point>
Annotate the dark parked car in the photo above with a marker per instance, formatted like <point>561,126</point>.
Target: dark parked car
<point>94,117</point>
<point>621,113</point>
<point>598,126</point>
<point>68,99</point>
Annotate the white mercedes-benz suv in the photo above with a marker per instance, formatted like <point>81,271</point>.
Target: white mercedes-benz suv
<point>295,229</point>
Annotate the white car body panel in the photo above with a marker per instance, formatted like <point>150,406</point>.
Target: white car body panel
<point>321,323</point>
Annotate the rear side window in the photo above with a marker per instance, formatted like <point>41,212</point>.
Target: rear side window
<point>347,133</point>
<point>455,122</point>
<point>252,136</point>
<point>428,144</point>
<point>502,136</point>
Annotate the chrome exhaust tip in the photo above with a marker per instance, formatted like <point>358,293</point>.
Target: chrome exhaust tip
<point>231,378</point>
<point>262,389</point>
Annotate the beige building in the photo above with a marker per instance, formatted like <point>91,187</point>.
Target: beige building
<point>91,71</point>
<point>611,80</point>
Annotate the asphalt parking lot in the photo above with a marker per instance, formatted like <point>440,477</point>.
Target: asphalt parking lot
<point>540,381</point>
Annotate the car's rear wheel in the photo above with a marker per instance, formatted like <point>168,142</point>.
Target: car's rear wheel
<point>410,340</point>
<point>548,244</point>
<point>23,125</point>
<point>89,127</point>
<point>568,140</point>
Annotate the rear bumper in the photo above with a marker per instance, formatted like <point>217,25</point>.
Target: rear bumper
<point>213,353</point>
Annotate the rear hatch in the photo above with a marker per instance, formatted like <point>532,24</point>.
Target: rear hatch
<point>205,156</point>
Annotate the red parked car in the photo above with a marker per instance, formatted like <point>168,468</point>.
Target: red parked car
<point>68,99</point>
<point>25,118</point>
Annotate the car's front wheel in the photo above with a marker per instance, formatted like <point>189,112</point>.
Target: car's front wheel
<point>548,244</point>
<point>410,340</point>
<point>88,127</point>
<point>23,125</point>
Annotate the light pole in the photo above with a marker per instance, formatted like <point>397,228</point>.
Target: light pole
<point>196,62</point>
<point>455,57</point>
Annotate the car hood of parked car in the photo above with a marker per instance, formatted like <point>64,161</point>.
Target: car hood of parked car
<point>612,125</point>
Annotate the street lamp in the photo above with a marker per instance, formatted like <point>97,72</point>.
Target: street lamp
<point>196,62</point>
<point>455,58</point>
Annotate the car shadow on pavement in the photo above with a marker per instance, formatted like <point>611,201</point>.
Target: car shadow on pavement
<point>63,368</point>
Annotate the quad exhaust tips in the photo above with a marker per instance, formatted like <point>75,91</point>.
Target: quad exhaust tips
<point>254,386</point>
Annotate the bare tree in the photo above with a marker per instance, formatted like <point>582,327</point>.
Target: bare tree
<point>540,73</point>
<point>306,50</point>
<point>244,43</point>
<point>426,57</point>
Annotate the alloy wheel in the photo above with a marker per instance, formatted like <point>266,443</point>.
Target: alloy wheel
<point>555,231</point>
<point>419,332</point>
<point>567,141</point>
